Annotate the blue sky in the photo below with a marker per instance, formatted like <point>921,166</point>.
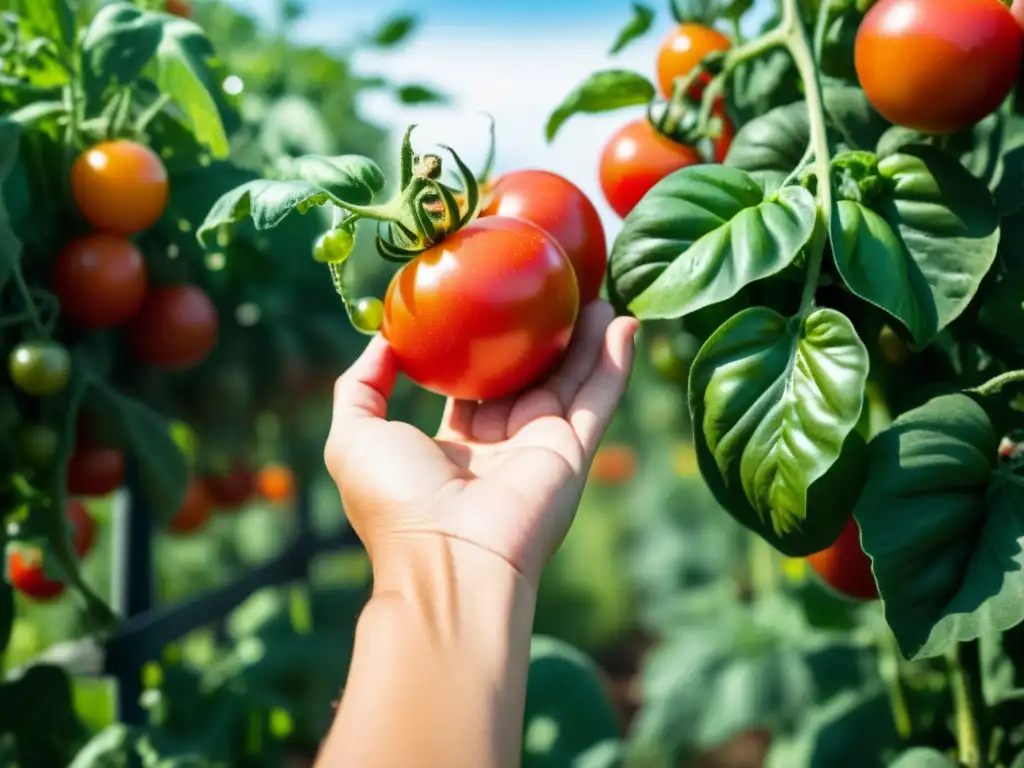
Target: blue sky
<point>515,59</point>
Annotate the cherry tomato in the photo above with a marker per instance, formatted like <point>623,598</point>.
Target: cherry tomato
<point>845,567</point>
<point>635,159</point>
<point>937,66</point>
<point>95,471</point>
<point>194,510</point>
<point>176,329</point>
<point>276,483</point>
<point>25,568</point>
<point>37,445</point>
<point>560,208</point>
<point>334,246</point>
<point>683,49</point>
<point>120,186</point>
<point>100,280</point>
<point>613,465</point>
<point>39,368</point>
<point>367,314</point>
<point>182,8</point>
<point>230,491</point>
<point>485,313</point>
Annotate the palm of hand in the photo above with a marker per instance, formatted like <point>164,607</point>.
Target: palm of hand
<point>505,475</point>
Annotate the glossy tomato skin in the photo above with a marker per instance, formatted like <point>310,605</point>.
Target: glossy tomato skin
<point>635,159</point>
<point>120,186</point>
<point>683,49</point>
<point>561,209</point>
<point>485,313</point>
<point>845,567</point>
<point>937,66</point>
<point>100,280</point>
<point>26,570</point>
<point>176,329</point>
<point>194,511</point>
<point>95,471</point>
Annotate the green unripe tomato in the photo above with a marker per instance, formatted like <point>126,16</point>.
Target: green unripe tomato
<point>334,246</point>
<point>367,314</point>
<point>40,368</point>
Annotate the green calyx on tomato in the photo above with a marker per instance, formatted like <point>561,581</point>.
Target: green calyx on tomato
<point>40,368</point>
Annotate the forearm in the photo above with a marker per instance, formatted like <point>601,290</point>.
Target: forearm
<point>444,640</point>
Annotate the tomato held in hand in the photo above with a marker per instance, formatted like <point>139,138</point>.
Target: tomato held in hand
<point>560,208</point>
<point>485,313</point>
<point>95,471</point>
<point>635,159</point>
<point>194,510</point>
<point>120,186</point>
<point>25,568</point>
<point>176,329</point>
<point>100,281</point>
<point>683,49</point>
<point>937,66</point>
<point>231,490</point>
<point>845,567</point>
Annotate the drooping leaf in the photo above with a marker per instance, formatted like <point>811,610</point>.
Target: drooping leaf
<point>601,92</point>
<point>145,436</point>
<point>944,529</point>
<point>774,404</point>
<point>922,250</point>
<point>700,235</point>
<point>117,45</point>
<point>637,27</point>
<point>265,201</point>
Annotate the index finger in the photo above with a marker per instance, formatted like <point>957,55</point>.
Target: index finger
<point>362,392</point>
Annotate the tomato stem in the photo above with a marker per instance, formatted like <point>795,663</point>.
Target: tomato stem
<point>969,701</point>
<point>889,664</point>
<point>994,385</point>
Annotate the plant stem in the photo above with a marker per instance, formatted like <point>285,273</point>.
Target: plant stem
<point>799,47</point>
<point>969,702</point>
<point>889,669</point>
<point>736,56</point>
<point>994,385</point>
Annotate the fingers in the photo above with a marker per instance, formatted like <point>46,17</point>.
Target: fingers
<point>457,419</point>
<point>594,406</point>
<point>362,392</point>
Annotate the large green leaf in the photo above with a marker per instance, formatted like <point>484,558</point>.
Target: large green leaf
<point>116,47</point>
<point>567,711</point>
<point>943,527</point>
<point>352,178</point>
<point>601,92</point>
<point>921,250</point>
<point>10,245</point>
<point>146,438</point>
<point>701,235</point>
<point>773,402</point>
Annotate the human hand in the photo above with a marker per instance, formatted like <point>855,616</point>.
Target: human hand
<point>505,475</point>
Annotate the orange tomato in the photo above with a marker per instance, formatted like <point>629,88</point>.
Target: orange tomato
<point>683,49</point>
<point>614,464</point>
<point>276,483</point>
<point>119,186</point>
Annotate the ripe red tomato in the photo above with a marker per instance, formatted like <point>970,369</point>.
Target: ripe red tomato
<point>485,313</point>
<point>560,208</point>
<point>683,49</point>
<point>25,568</point>
<point>194,510</point>
<point>120,186</point>
<point>230,491</point>
<point>276,483</point>
<point>176,329</point>
<point>182,8</point>
<point>845,567</point>
<point>95,471</point>
<point>937,66</point>
<point>635,159</point>
<point>100,281</point>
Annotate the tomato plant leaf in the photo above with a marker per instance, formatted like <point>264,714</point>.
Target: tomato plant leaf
<point>393,31</point>
<point>10,245</point>
<point>415,93</point>
<point>637,27</point>
<point>352,178</point>
<point>924,757</point>
<point>563,687</point>
<point>145,437</point>
<point>944,530</point>
<point>265,201</point>
<point>703,233</point>
<point>601,92</point>
<point>773,402</point>
<point>948,228</point>
<point>53,19</point>
<point>182,67</point>
<point>116,46</point>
